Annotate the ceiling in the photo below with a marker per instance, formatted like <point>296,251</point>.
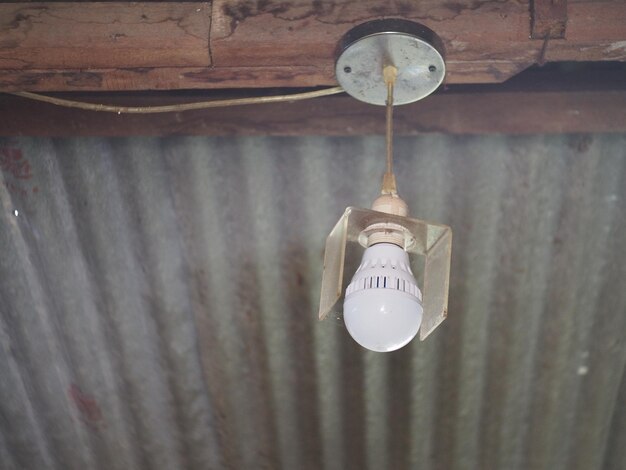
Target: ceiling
<point>158,301</point>
<point>158,293</point>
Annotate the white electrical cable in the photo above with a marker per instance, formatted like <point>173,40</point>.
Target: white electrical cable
<point>176,107</point>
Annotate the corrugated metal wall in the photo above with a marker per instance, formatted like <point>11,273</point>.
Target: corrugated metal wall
<point>158,306</point>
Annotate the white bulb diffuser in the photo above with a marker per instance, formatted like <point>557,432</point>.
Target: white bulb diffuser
<point>383,304</point>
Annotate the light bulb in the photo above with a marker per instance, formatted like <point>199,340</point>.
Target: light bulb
<point>383,305</point>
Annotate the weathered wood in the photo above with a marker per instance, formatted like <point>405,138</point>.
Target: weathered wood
<point>104,35</point>
<point>490,36</point>
<point>507,112</point>
<point>596,21</point>
<point>482,71</point>
<point>176,78</point>
<point>257,44</point>
<point>548,19</point>
<point>482,37</point>
<point>164,78</point>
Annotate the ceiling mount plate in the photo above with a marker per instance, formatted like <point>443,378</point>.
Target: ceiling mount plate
<point>415,50</point>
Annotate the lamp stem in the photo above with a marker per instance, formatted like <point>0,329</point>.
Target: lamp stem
<point>390,74</point>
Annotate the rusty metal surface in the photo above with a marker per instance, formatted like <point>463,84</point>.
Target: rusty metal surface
<point>158,304</point>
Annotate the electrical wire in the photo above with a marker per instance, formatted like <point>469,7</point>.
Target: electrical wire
<point>389,126</point>
<point>390,74</point>
<point>176,107</point>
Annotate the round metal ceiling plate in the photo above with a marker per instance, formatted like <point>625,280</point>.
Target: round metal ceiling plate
<point>413,49</point>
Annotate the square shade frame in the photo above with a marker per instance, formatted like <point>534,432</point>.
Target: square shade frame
<point>432,241</point>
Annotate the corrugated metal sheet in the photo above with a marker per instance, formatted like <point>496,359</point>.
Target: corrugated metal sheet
<point>158,306</point>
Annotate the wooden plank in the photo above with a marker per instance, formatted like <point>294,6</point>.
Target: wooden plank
<point>176,78</point>
<point>548,19</point>
<point>104,35</point>
<point>258,44</point>
<point>510,112</point>
<point>301,32</point>
<point>482,71</point>
<point>474,34</point>
<point>165,78</point>
<point>596,22</point>
<point>596,31</point>
<point>304,32</point>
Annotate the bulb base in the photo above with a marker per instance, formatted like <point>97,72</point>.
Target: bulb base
<point>389,203</point>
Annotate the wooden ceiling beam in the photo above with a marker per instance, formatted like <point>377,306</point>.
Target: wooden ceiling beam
<point>100,35</point>
<point>256,44</point>
<point>548,19</point>
<point>163,78</point>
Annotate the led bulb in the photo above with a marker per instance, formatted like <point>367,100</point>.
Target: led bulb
<point>383,305</point>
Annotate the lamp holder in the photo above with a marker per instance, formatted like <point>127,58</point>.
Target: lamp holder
<point>388,232</point>
<point>413,49</point>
